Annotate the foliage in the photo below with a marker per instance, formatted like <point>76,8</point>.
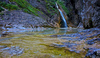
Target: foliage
<point>8,6</point>
<point>50,5</point>
<point>26,6</point>
<point>1,9</point>
<point>63,6</point>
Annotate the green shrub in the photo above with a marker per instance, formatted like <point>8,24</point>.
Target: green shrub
<point>11,7</point>
<point>1,9</point>
<point>3,4</point>
<point>8,6</point>
<point>26,6</point>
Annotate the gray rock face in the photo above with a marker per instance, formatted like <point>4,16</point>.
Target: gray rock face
<point>52,20</point>
<point>21,19</point>
<point>13,50</point>
<point>85,11</point>
<point>90,14</point>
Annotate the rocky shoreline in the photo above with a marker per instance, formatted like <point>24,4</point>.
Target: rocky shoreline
<point>85,40</point>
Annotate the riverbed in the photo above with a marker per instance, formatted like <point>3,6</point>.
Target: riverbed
<point>48,43</point>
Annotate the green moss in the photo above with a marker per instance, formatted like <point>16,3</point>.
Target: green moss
<point>8,6</point>
<point>61,3</point>
<point>26,6</point>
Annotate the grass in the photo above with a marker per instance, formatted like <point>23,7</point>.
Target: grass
<point>61,3</point>
<point>26,6</point>
<point>7,6</point>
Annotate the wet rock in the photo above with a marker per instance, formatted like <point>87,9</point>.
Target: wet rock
<point>93,53</point>
<point>57,45</point>
<point>81,35</point>
<point>4,34</point>
<point>87,36</point>
<point>70,46</point>
<point>92,41</point>
<point>13,50</point>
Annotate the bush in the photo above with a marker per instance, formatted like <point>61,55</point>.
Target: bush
<point>3,4</point>
<point>11,7</point>
<point>8,6</point>
<point>1,9</point>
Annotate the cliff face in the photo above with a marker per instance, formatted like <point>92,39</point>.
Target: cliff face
<point>86,13</point>
<point>81,13</point>
<point>45,11</point>
<point>90,13</point>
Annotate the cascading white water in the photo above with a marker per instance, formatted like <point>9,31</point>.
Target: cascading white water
<point>63,18</point>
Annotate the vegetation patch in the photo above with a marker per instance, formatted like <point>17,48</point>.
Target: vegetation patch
<point>50,5</point>
<point>1,9</point>
<point>26,6</point>
<point>7,6</point>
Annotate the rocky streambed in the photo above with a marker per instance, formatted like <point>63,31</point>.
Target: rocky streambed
<point>52,43</point>
<point>80,42</point>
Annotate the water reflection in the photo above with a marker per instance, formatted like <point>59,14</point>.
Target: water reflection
<point>41,30</point>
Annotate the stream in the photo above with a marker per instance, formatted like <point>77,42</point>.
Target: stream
<point>46,43</point>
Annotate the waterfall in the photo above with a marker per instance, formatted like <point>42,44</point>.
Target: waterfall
<point>63,18</point>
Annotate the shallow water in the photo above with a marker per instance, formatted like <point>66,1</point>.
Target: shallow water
<point>36,44</point>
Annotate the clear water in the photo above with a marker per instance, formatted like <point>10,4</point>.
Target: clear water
<point>36,44</point>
